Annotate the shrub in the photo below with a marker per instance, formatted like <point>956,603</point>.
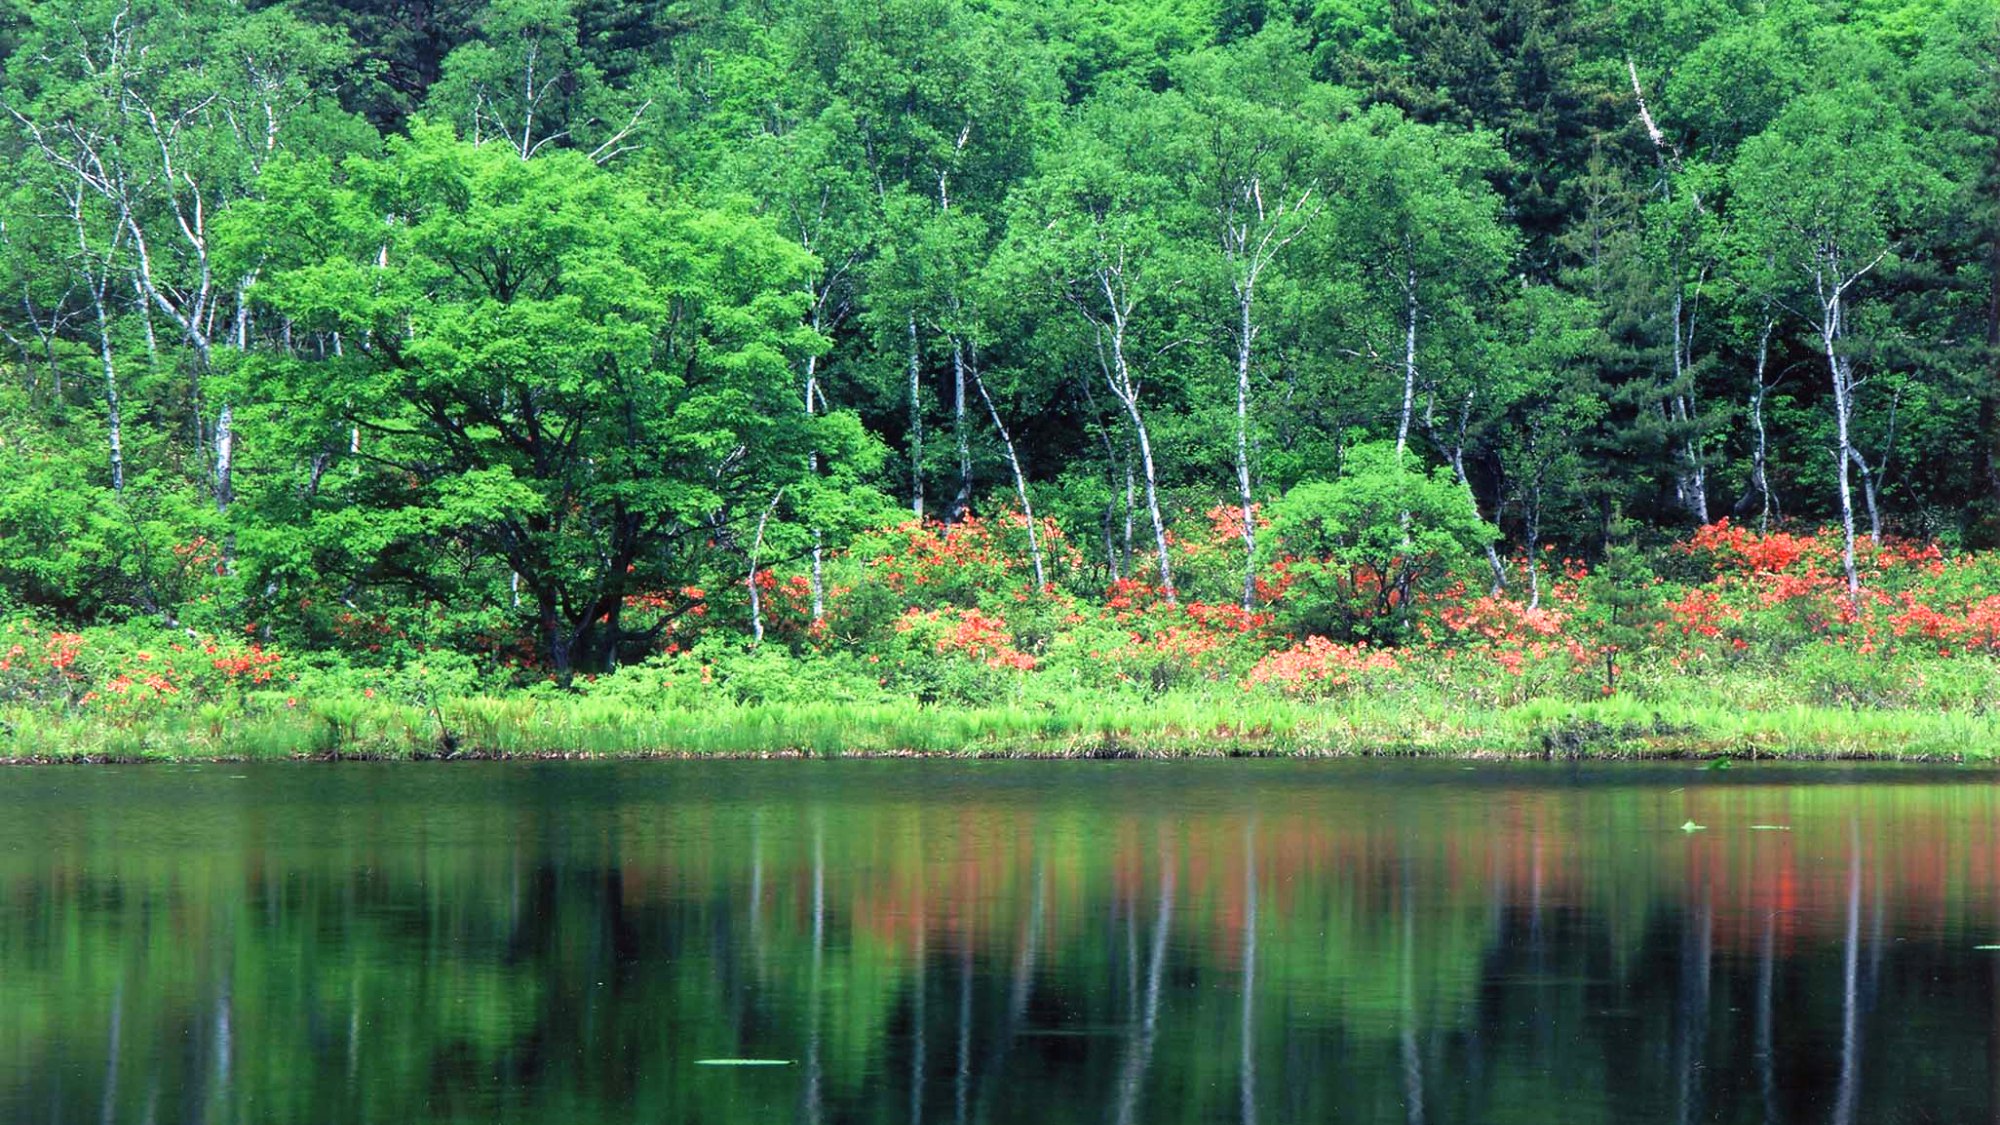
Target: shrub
<point>1360,550</point>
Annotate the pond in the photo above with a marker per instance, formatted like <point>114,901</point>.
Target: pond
<point>949,942</point>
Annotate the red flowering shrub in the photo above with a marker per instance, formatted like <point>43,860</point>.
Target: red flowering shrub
<point>1501,650</point>
<point>126,673</point>
<point>1321,667</point>
<point>1754,552</point>
<point>1700,612</point>
<point>935,564</point>
<point>1208,560</point>
<point>1496,618</point>
<point>978,636</point>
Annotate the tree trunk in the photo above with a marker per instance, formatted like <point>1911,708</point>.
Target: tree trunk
<point>1014,465</point>
<point>113,418</point>
<point>557,633</point>
<point>1456,454</point>
<point>1760,474</point>
<point>146,322</point>
<point>916,424</point>
<point>1409,360</point>
<point>1131,517</point>
<point>962,502</point>
<point>817,573</point>
<point>756,553</point>
<point>1868,497</point>
<point>1840,369</point>
<point>225,456</point>
<point>1531,530</point>
<point>1244,336</point>
<point>97,285</point>
<point>1128,393</point>
<point>1493,564</point>
<point>1691,479</point>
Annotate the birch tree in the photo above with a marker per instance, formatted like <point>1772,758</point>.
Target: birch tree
<point>1419,233</point>
<point>803,176</point>
<point>1828,189</point>
<point>1681,228</point>
<point>1258,176</point>
<point>526,82</point>
<point>1085,231</point>
<point>164,116</point>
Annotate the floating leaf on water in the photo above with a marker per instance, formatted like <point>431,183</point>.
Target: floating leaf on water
<point>1770,828</point>
<point>1691,826</point>
<point>743,1062</point>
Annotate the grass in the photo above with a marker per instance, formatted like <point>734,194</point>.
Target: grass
<point>1173,725</point>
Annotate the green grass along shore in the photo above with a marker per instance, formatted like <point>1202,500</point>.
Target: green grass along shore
<point>1168,727</point>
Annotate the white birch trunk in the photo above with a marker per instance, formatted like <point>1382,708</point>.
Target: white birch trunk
<point>1409,360</point>
<point>1131,514</point>
<point>916,425</point>
<point>1841,370</point>
<point>1252,239</point>
<point>1692,478</point>
<point>113,417</point>
<point>962,502</point>
<point>1760,475</point>
<point>225,455</point>
<point>1245,335</point>
<point>756,552</point>
<point>1127,393</point>
<point>817,573</point>
<point>1020,478</point>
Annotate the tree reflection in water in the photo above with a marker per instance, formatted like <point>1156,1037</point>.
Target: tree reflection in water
<point>1133,943</point>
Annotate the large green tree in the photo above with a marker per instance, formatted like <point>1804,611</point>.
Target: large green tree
<point>536,375</point>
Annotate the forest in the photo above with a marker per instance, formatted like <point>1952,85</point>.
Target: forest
<point>676,375</point>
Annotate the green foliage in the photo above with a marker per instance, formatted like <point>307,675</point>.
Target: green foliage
<point>552,371</point>
<point>1364,547</point>
<point>542,332</point>
<point>1626,606</point>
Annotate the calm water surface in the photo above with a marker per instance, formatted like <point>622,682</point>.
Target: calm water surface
<point>998,942</point>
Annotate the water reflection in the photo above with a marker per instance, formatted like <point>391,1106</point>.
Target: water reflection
<point>1118,943</point>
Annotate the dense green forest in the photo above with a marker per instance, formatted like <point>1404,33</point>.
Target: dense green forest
<point>555,336</point>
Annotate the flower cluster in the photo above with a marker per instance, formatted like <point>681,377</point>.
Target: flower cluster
<point>958,560</point>
<point>981,636</point>
<point>1319,666</point>
<point>1759,552</point>
<point>255,663</point>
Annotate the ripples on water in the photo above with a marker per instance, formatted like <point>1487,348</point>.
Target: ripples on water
<point>998,942</point>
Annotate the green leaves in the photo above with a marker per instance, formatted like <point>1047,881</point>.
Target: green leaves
<point>546,376</point>
<point>1366,542</point>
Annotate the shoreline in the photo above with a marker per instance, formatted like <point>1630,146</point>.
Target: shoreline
<point>543,729</point>
<point>1914,758</point>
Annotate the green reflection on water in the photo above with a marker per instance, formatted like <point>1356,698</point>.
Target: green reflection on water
<point>993,942</point>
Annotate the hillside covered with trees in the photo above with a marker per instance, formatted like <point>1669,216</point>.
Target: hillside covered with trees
<point>988,352</point>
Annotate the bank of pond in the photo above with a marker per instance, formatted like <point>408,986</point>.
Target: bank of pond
<point>559,727</point>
